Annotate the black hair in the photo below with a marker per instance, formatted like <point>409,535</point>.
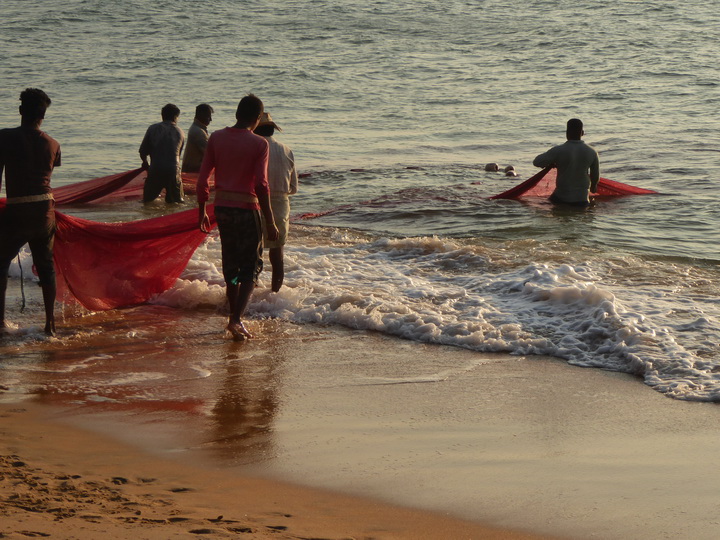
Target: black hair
<point>33,103</point>
<point>575,127</point>
<point>249,109</point>
<point>170,112</point>
<point>204,108</point>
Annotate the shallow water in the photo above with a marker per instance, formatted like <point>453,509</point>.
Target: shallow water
<point>392,110</point>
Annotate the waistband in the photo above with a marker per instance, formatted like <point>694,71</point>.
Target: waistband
<point>235,196</point>
<point>30,198</point>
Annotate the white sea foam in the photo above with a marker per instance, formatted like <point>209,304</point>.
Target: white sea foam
<point>440,291</point>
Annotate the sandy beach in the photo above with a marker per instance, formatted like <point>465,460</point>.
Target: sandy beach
<point>373,425</point>
<point>62,482</point>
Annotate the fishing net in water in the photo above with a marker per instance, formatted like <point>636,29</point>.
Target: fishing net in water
<point>543,184</point>
<point>125,186</point>
<point>108,265</point>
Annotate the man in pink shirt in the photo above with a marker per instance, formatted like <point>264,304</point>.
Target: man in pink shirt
<point>239,159</point>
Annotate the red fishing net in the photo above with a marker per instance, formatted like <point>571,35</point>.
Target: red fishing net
<point>109,265</point>
<point>125,186</point>
<point>543,184</point>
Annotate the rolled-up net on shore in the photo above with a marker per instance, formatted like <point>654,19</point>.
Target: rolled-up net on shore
<point>543,184</point>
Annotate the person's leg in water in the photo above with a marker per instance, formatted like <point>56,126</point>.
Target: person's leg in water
<point>42,252</point>
<point>241,246</point>
<point>278,267</point>
<point>49,292</point>
<point>238,298</point>
<point>4,269</point>
<point>3,290</point>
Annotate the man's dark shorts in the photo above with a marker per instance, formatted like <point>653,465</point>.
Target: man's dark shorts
<point>33,224</point>
<point>167,179</point>
<point>241,240</point>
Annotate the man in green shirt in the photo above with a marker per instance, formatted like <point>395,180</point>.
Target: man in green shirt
<point>578,167</point>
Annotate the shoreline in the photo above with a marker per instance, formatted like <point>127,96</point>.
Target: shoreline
<point>453,437</point>
<point>60,481</point>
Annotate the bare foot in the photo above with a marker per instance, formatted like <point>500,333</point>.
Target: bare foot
<point>238,331</point>
<point>277,281</point>
<point>50,328</point>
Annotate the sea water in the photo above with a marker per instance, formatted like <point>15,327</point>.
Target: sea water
<point>392,110</point>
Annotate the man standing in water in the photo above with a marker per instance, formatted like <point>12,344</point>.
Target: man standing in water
<point>283,181</point>
<point>197,138</point>
<point>578,167</point>
<point>163,142</point>
<point>239,159</point>
<point>28,157</point>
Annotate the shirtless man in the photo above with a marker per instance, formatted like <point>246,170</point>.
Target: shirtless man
<point>28,157</point>
<point>239,159</point>
<point>578,167</point>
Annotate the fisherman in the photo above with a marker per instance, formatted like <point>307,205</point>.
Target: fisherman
<point>578,167</point>
<point>283,181</point>
<point>239,159</point>
<point>197,138</point>
<point>163,143</point>
<point>28,157</point>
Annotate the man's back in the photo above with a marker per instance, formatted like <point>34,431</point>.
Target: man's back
<point>239,159</point>
<point>282,175</point>
<point>197,139</point>
<point>163,142</point>
<point>28,157</point>
<point>577,169</point>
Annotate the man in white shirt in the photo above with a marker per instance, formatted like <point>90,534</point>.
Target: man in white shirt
<point>578,167</point>
<point>283,180</point>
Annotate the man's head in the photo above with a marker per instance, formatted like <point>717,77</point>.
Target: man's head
<point>33,104</point>
<point>249,110</point>
<point>170,113</point>
<point>203,113</point>
<point>574,130</point>
<point>266,127</point>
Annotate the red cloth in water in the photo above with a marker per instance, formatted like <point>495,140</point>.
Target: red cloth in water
<point>109,265</point>
<point>543,184</point>
<point>125,186</point>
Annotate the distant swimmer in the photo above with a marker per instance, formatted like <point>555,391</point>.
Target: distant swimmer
<point>239,159</point>
<point>492,167</point>
<point>578,167</point>
<point>28,157</point>
<point>163,144</point>
<point>197,138</point>
<point>510,171</point>
<point>283,181</point>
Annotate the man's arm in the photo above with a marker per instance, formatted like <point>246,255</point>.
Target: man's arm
<point>270,227</point>
<point>594,174</point>
<point>293,175</point>
<point>145,147</point>
<point>203,187</point>
<point>545,160</point>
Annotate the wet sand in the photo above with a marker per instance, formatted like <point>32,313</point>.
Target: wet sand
<point>62,482</point>
<point>520,443</point>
